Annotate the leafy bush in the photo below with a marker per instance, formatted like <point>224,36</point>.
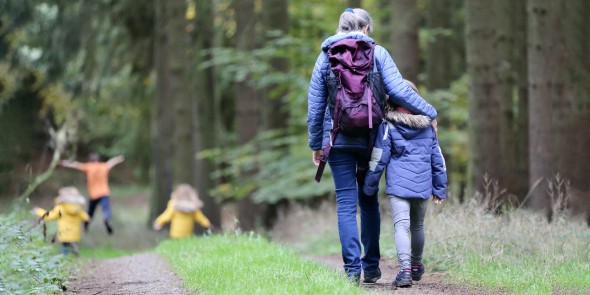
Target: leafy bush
<point>28,264</point>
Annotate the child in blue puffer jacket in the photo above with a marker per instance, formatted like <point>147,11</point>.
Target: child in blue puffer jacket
<point>406,144</point>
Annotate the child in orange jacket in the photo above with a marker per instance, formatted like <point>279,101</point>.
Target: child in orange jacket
<point>69,213</point>
<point>182,212</point>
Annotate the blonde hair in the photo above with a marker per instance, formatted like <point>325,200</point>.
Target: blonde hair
<point>186,198</point>
<point>355,20</point>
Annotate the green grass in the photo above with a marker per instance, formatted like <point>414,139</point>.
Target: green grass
<point>518,252</point>
<point>249,264</point>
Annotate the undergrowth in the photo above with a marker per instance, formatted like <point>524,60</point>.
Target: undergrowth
<point>28,264</point>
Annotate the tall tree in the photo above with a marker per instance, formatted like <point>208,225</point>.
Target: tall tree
<point>509,16</point>
<point>520,62</point>
<point>207,122</point>
<point>354,3</point>
<point>541,36</point>
<point>164,105</point>
<point>180,73</point>
<point>275,110</point>
<point>401,33</point>
<point>484,107</point>
<point>577,40</point>
<point>247,106</point>
<point>440,46</point>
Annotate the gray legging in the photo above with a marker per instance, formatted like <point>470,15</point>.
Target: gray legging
<point>408,217</point>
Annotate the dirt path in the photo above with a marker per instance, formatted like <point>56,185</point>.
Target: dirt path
<point>144,273</point>
<point>431,283</point>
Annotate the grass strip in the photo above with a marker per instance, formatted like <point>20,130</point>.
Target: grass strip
<point>249,264</point>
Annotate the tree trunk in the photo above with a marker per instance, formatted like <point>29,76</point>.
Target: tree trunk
<point>440,45</point>
<point>207,122</point>
<point>402,40</point>
<point>541,47</point>
<point>163,114</point>
<point>507,15</point>
<point>180,64</point>
<point>275,104</point>
<point>577,34</point>
<point>522,115</point>
<point>484,107</point>
<point>247,107</point>
<point>353,3</point>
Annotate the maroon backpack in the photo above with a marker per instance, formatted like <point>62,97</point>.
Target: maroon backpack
<point>354,107</point>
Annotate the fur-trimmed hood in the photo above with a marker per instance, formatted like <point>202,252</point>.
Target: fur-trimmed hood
<point>407,124</point>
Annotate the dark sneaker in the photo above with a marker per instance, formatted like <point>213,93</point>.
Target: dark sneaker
<point>402,280</point>
<point>372,276</point>
<point>108,226</point>
<point>417,272</point>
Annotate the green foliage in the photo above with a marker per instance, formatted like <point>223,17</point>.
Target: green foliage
<point>250,264</point>
<point>453,109</point>
<point>271,168</point>
<point>28,264</point>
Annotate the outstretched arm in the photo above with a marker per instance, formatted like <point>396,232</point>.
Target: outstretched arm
<point>112,162</point>
<point>71,164</point>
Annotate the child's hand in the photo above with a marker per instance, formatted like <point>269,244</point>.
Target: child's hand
<point>157,226</point>
<point>437,200</point>
<point>38,211</point>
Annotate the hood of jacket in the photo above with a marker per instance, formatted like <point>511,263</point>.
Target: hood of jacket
<point>340,36</point>
<point>408,125</point>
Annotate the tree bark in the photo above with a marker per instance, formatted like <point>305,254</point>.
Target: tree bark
<point>484,107</point>
<point>540,47</point>
<point>180,74</point>
<point>354,3</point>
<point>275,104</point>
<point>522,115</point>
<point>402,40</point>
<point>577,39</point>
<point>207,122</point>
<point>247,106</point>
<point>507,14</point>
<point>163,114</point>
<point>440,45</point>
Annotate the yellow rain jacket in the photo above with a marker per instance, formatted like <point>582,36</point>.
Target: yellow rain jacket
<point>69,218</point>
<point>181,223</point>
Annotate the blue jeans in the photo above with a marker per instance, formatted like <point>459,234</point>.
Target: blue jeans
<point>104,203</point>
<point>408,221</point>
<point>343,164</point>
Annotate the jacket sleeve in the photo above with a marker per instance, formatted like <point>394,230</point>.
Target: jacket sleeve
<point>201,219</point>
<point>166,216</point>
<point>379,159</point>
<point>83,215</point>
<point>54,213</point>
<point>439,172</point>
<point>316,105</point>
<point>397,89</point>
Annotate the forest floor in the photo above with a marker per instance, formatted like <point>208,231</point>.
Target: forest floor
<point>137,274</point>
<point>124,264</point>
<point>431,283</point>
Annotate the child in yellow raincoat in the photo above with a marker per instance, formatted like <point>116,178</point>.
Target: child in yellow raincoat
<point>182,211</point>
<point>69,213</point>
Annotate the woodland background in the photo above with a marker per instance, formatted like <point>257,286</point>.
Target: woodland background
<point>214,93</point>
